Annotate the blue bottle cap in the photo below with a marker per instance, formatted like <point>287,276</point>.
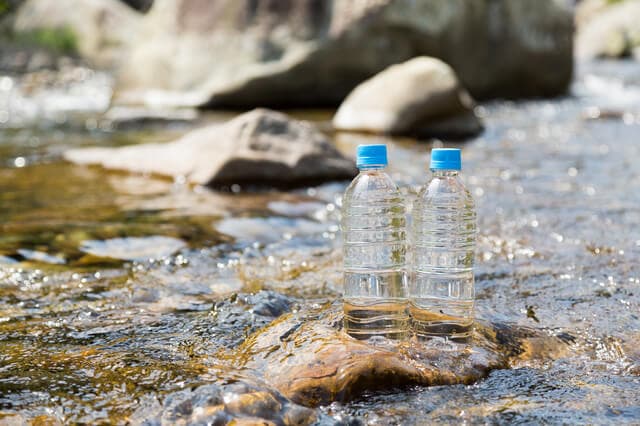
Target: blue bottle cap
<point>445,159</point>
<point>372,155</point>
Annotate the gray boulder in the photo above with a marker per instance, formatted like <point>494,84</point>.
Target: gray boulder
<point>612,31</point>
<point>309,52</point>
<point>102,29</point>
<point>418,97</point>
<point>260,147</point>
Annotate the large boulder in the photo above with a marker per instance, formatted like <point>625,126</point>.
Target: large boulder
<point>611,31</point>
<point>419,97</point>
<point>309,52</point>
<point>260,147</point>
<point>101,29</point>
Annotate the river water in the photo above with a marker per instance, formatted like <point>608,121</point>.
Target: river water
<point>118,292</point>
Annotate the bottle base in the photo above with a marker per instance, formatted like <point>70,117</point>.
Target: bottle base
<point>426,324</point>
<point>366,318</point>
<point>454,333</point>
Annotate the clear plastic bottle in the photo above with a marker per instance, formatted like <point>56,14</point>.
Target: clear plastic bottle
<point>375,251</point>
<point>441,293</point>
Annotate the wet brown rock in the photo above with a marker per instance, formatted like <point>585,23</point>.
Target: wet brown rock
<point>312,361</point>
<point>260,147</point>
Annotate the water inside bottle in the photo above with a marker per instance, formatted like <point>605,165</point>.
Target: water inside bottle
<point>376,304</point>
<point>447,307</point>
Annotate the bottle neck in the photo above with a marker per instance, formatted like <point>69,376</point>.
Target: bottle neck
<point>371,167</point>
<point>445,173</point>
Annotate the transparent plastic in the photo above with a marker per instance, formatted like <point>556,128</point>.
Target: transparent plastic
<point>441,292</point>
<point>375,257</point>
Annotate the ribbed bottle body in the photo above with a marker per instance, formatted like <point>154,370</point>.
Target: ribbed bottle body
<point>441,292</point>
<point>375,257</point>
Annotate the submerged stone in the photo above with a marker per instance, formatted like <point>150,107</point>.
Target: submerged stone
<point>312,361</point>
<point>236,403</point>
<point>242,314</point>
<point>38,256</point>
<point>133,248</point>
<point>268,230</point>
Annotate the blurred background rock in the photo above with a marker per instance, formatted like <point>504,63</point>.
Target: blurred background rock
<point>311,53</point>
<point>160,55</point>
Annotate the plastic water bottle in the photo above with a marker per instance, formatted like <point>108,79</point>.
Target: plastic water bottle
<point>375,251</point>
<point>441,293</point>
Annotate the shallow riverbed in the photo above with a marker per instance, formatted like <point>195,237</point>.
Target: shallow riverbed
<point>118,291</point>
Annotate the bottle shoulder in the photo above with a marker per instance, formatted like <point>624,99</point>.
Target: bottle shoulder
<point>449,189</point>
<point>449,186</point>
<point>370,183</point>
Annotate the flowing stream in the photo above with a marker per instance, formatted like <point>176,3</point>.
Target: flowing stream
<point>119,291</point>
